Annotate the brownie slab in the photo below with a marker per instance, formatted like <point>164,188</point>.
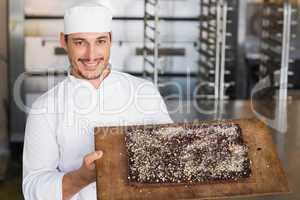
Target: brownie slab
<point>202,153</point>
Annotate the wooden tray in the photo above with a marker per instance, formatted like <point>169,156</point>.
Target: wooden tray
<point>268,177</point>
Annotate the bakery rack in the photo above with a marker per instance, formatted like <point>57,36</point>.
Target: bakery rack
<point>215,64</point>
<point>278,26</point>
<point>151,40</point>
<point>278,23</point>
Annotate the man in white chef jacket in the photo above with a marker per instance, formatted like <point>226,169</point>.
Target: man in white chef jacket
<point>59,155</point>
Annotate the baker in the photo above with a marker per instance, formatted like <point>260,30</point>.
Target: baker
<point>59,155</point>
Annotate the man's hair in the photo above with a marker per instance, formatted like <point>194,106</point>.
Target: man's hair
<point>66,38</point>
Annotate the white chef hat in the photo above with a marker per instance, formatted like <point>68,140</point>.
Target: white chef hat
<point>88,16</point>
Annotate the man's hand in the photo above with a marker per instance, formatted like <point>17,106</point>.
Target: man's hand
<point>87,169</point>
<point>74,181</point>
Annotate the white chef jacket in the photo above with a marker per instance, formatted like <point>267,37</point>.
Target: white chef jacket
<point>59,129</point>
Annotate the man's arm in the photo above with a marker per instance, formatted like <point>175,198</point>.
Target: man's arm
<point>41,177</point>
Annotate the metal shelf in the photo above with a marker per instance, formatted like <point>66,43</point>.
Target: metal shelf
<point>162,18</point>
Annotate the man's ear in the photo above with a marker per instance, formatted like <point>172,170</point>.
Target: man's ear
<point>110,36</point>
<point>63,41</point>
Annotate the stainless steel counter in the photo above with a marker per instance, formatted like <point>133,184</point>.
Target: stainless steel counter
<point>4,142</point>
<point>287,143</point>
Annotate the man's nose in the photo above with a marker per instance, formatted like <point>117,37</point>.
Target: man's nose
<point>91,53</point>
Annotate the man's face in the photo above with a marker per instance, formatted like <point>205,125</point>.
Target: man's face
<point>88,53</point>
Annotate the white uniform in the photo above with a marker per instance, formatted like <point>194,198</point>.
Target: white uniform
<point>59,130</point>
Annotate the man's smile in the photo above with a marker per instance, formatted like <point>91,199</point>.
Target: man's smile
<point>88,65</point>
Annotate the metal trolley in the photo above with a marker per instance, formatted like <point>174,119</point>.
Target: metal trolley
<point>278,22</point>
<point>217,49</point>
<point>151,40</point>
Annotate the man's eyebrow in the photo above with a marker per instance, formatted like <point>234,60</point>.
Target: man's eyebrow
<point>98,38</point>
<point>76,39</point>
<point>102,37</point>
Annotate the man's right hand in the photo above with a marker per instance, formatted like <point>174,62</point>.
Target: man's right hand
<point>87,169</point>
<point>74,181</point>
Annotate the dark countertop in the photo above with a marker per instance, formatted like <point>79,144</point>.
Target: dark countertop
<point>287,143</point>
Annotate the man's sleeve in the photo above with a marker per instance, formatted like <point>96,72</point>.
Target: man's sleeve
<point>153,105</point>
<point>41,179</point>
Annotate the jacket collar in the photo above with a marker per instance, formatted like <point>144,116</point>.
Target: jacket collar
<point>108,81</point>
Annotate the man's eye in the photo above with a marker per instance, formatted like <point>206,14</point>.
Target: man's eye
<point>101,41</point>
<point>78,43</point>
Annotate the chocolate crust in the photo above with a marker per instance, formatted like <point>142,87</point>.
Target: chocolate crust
<point>187,155</point>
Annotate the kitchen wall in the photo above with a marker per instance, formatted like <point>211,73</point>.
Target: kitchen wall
<point>42,35</point>
<point>44,22</point>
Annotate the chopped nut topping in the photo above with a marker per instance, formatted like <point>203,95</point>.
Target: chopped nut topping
<point>187,155</point>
